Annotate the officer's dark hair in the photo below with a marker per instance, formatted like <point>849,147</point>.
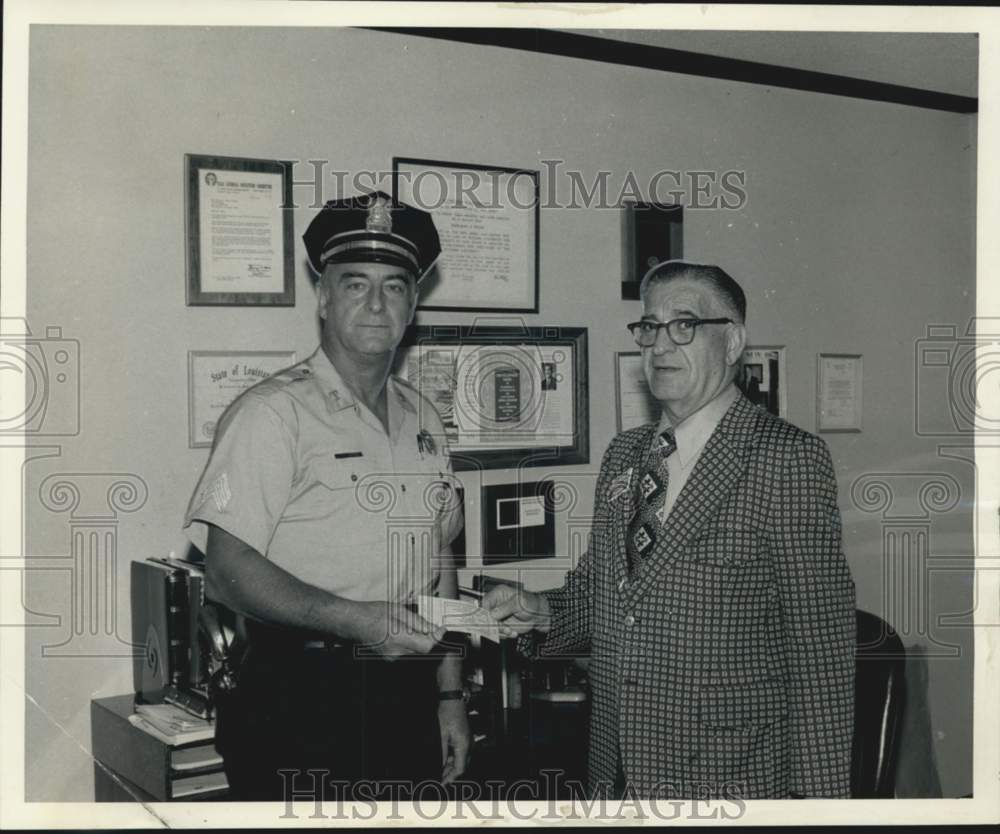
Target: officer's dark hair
<point>722,284</point>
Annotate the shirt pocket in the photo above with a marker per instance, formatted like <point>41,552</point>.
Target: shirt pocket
<point>348,486</point>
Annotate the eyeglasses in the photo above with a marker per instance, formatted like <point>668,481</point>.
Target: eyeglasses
<point>680,331</point>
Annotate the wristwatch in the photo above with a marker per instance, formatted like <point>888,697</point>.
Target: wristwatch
<point>454,695</point>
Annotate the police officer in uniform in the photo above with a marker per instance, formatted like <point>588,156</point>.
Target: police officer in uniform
<point>326,508</point>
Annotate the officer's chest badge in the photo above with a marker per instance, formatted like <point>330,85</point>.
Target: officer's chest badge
<point>425,443</point>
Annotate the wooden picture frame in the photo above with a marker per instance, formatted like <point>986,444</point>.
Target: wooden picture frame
<point>487,385</point>
<point>239,232</point>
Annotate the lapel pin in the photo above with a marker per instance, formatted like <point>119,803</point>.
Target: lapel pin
<point>620,485</point>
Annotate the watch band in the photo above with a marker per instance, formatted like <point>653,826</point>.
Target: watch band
<point>451,695</point>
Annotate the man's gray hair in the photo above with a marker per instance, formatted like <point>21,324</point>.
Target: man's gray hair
<point>724,286</point>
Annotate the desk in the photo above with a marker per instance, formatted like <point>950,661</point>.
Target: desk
<point>540,733</point>
<point>130,765</point>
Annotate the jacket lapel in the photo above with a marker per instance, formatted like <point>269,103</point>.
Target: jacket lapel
<point>719,468</point>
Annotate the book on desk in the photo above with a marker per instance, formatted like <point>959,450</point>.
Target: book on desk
<point>139,760</point>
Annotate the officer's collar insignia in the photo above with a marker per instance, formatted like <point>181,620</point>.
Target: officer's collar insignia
<point>379,216</point>
<point>620,485</point>
<point>335,402</point>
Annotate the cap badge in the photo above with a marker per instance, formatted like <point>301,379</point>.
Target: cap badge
<point>379,216</point>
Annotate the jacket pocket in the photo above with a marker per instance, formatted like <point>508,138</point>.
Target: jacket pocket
<point>728,546</point>
<point>756,704</point>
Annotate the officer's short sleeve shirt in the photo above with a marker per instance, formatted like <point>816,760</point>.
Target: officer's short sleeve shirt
<point>309,478</point>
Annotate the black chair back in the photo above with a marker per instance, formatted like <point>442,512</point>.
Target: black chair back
<point>879,697</point>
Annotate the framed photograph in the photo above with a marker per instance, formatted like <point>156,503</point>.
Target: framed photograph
<point>839,403</point>
<point>762,378</point>
<point>651,233</point>
<point>239,231</point>
<point>487,219</point>
<point>518,522</point>
<point>509,396</point>
<point>634,403</point>
<point>217,377</point>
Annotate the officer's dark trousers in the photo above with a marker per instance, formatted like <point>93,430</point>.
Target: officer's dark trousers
<point>359,722</point>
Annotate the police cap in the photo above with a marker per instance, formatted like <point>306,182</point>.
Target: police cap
<point>371,228</point>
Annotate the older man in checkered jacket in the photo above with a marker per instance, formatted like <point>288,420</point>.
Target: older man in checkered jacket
<point>714,599</point>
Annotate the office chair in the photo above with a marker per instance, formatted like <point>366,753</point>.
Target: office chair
<point>879,698</point>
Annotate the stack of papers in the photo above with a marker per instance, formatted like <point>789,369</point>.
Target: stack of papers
<point>171,724</point>
<point>458,615</point>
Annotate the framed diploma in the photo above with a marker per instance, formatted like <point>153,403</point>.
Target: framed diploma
<point>487,218</point>
<point>762,378</point>
<point>839,392</point>
<point>239,231</point>
<point>635,404</point>
<point>508,396</point>
<point>217,377</point>
<point>651,233</point>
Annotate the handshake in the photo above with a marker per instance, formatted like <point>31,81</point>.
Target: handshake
<point>393,630</point>
<point>504,612</point>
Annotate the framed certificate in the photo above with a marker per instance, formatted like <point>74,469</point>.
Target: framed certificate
<point>839,402</point>
<point>487,219</point>
<point>217,377</point>
<point>508,396</point>
<point>239,231</point>
<point>634,402</point>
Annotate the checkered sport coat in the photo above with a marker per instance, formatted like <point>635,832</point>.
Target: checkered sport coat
<point>726,664</point>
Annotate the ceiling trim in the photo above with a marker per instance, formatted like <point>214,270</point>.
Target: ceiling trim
<point>625,53</point>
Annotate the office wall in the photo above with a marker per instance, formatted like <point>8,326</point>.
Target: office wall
<point>858,232</point>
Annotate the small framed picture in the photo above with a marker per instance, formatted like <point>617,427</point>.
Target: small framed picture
<point>217,377</point>
<point>518,522</point>
<point>651,233</point>
<point>839,403</point>
<point>762,378</point>
<point>239,232</point>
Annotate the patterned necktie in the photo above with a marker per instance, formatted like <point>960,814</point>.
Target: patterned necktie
<point>651,493</point>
